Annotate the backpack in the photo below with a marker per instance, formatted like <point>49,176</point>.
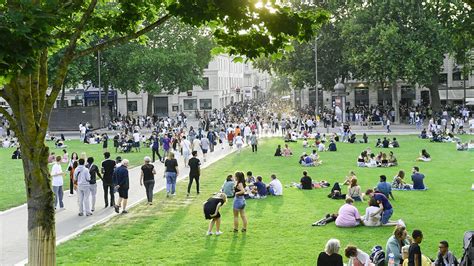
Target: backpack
<point>377,256</point>
<point>468,247</point>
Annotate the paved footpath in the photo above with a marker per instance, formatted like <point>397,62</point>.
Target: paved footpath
<point>13,222</point>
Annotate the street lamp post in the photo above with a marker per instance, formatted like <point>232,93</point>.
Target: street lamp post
<point>316,89</point>
<point>100,92</point>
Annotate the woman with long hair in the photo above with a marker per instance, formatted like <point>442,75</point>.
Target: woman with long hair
<point>74,158</point>
<point>239,202</point>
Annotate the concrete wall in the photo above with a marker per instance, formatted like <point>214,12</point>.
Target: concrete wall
<point>69,118</point>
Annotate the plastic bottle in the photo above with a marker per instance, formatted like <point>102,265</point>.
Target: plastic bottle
<point>391,259</point>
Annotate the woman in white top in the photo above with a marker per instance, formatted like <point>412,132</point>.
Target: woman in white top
<point>370,218</point>
<point>356,256</point>
<point>239,141</point>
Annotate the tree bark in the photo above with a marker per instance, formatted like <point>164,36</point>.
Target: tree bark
<point>63,94</point>
<point>149,106</point>
<point>395,103</point>
<point>434,93</point>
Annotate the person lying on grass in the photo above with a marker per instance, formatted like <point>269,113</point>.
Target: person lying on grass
<point>306,160</point>
<point>211,212</point>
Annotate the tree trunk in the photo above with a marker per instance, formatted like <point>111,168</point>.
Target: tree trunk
<point>395,103</point>
<point>40,202</point>
<point>126,103</point>
<point>149,105</point>
<point>63,94</point>
<point>434,93</point>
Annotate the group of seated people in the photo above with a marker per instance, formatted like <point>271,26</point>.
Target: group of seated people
<point>387,143</point>
<point>285,152</point>
<point>310,160</point>
<point>468,146</point>
<point>369,159</point>
<point>417,178</point>
<point>307,183</point>
<point>10,142</point>
<point>320,144</point>
<point>401,249</point>
<point>255,188</point>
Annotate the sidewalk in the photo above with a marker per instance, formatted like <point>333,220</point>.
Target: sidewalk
<point>13,222</point>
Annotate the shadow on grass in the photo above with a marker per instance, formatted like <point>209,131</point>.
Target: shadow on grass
<point>236,248</point>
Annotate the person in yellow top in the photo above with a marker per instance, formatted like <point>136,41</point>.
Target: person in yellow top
<point>425,261</point>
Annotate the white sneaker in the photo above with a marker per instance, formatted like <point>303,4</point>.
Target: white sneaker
<point>401,223</point>
<point>218,233</point>
<point>209,233</point>
<point>71,195</point>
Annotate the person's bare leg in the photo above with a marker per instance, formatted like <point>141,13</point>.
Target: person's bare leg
<point>236,219</point>
<point>119,202</point>
<point>124,204</point>
<point>218,224</point>
<point>211,224</point>
<point>244,219</point>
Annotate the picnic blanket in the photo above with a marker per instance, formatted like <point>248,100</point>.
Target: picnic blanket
<point>409,189</point>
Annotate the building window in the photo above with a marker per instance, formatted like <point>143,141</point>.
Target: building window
<point>408,96</point>
<point>132,106</point>
<point>76,102</point>
<point>190,104</point>
<point>384,95</point>
<point>361,96</point>
<point>205,84</point>
<point>457,75</point>
<point>205,104</point>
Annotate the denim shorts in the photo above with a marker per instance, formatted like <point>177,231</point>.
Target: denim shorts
<point>386,214</point>
<point>239,202</point>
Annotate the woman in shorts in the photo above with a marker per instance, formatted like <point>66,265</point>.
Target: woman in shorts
<point>211,212</point>
<point>239,202</point>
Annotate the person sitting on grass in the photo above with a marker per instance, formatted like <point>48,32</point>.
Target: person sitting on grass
<point>378,144</point>
<point>395,243</point>
<point>352,138</point>
<point>228,187</point>
<point>332,146</point>
<point>384,160</point>
<point>354,191</point>
<point>306,160</point>
<point>275,187</point>
<point>417,178</point>
<point>372,217</point>
<point>259,190</point>
<point>356,256</point>
<point>461,146</point>
<point>365,139</point>
<point>384,206</point>
<point>394,143</point>
<point>361,160</point>
<point>16,154</point>
<point>287,151</point>
<point>372,161</point>
<point>424,156</point>
<point>384,187</point>
<point>315,157</point>
<point>349,178</point>
<point>348,215</point>
<point>423,134</point>
<point>330,256</point>
<point>445,257</point>
<point>392,160</point>
<point>305,182</point>
<point>305,143</point>
<point>399,181</point>
<point>385,143</point>
<point>211,212</point>
<point>278,151</point>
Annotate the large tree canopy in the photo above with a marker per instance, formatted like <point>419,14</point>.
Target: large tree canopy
<point>32,31</point>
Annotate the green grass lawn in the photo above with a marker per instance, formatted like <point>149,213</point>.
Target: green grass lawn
<point>12,184</point>
<point>173,230</point>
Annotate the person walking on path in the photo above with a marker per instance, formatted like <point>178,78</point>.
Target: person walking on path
<point>147,178</point>
<point>254,141</point>
<point>94,172</point>
<point>155,148</point>
<point>57,174</point>
<point>82,178</point>
<point>74,158</point>
<point>121,183</point>
<point>194,172</point>
<point>388,125</point>
<point>239,203</point>
<point>108,166</point>
<point>186,147</point>
<point>171,172</point>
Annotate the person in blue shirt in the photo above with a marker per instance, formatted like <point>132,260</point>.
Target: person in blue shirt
<point>332,146</point>
<point>384,187</point>
<point>417,178</point>
<point>384,206</point>
<point>259,189</point>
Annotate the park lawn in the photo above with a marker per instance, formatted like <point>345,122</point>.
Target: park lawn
<point>172,231</point>
<point>12,185</point>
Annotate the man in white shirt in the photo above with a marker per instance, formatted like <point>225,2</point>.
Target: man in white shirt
<point>247,132</point>
<point>136,140</point>
<point>275,187</point>
<point>57,174</point>
<point>82,129</point>
<point>82,177</point>
<point>186,146</point>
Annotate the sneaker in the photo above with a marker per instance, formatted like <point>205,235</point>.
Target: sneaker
<point>218,233</point>
<point>209,234</point>
<point>71,195</point>
<point>167,194</point>
<point>117,208</point>
<point>81,214</point>
<point>244,230</point>
<point>124,212</point>
<point>187,195</point>
<point>92,210</point>
<point>401,223</point>
<point>174,194</point>
<point>89,214</point>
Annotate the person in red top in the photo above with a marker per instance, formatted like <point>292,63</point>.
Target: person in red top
<point>230,138</point>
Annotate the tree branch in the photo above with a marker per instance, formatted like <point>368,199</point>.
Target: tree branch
<point>122,39</point>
